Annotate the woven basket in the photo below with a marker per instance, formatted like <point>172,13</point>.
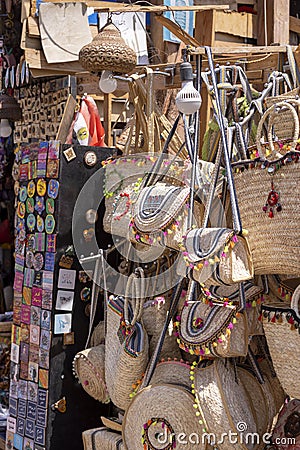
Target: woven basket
<point>98,335</point>
<point>216,330</point>
<point>172,372</point>
<point>268,193</point>
<point>273,386</point>
<point>88,366</point>
<point>161,409</point>
<point>224,404</point>
<point>281,325</point>
<point>259,399</point>
<point>218,256</point>
<point>102,439</point>
<point>122,367</point>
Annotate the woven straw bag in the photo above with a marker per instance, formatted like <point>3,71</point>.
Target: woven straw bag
<point>160,215</point>
<point>218,256</point>
<point>172,372</point>
<point>156,417</point>
<point>268,193</point>
<point>102,439</point>
<point>286,431</point>
<point>274,391</point>
<point>281,325</point>
<point>224,404</point>
<point>216,330</point>
<point>88,367</point>
<point>127,348</point>
<point>98,334</point>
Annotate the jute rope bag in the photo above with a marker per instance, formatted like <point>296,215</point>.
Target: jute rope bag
<point>102,439</point>
<point>126,342</point>
<point>268,192</point>
<point>281,326</point>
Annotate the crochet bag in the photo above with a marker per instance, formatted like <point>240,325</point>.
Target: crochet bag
<point>88,367</point>
<point>281,325</point>
<point>127,347</point>
<point>268,192</point>
<point>205,329</point>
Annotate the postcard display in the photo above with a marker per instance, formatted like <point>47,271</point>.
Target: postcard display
<point>48,409</point>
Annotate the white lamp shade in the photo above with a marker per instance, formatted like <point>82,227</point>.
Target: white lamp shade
<point>5,128</point>
<point>188,99</point>
<point>107,83</point>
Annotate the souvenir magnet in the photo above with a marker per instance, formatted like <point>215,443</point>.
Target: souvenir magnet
<point>66,262</point>
<point>39,204</point>
<point>90,158</point>
<point>85,294</point>
<point>31,188</point>
<point>29,259</point>
<point>31,242</point>
<point>43,378</point>
<point>49,206</point>
<point>49,224</point>
<point>69,338</point>
<point>84,277</point>
<point>60,405</point>
<point>52,168</point>
<point>22,193</point>
<point>91,216</point>
<point>16,188</point>
<point>21,209</point>
<point>41,187</point>
<point>53,186</point>
<point>31,221</point>
<point>69,154</point>
<point>29,205</point>
<point>38,262</point>
<point>40,224</point>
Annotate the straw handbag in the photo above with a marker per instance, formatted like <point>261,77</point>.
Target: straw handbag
<point>172,372</point>
<point>268,192</point>
<point>223,404</point>
<point>102,439</point>
<point>287,429</point>
<point>162,417</point>
<point>127,347</point>
<point>88,366</point>
<point>216,330</point>
<point>218,256</point>
<point>281,325</point>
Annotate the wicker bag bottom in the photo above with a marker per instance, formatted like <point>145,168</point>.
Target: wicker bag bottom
<point>102,439</point>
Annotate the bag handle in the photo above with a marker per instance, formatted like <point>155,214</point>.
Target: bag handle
<point>135,289</point>
<point>295,301</point>
<point>237,225</point>
<point>272,111</point>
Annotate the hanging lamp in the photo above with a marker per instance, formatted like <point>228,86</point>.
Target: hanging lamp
<point>108,51</point>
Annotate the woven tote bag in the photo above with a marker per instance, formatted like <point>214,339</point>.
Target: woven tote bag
<point>89,368</point>
<point>218,256</point>
<point>223,405</point>
<point>162,417</point>
<point>268,192</point>
<point>102,439</point>
<point>127,349</point>
<point>216,330</point>
<point>281,325</point>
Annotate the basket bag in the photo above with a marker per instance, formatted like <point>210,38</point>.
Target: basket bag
<point>286,434</point>
<point>224,404</point>
<point>268,192</point>
<point>88,367</point>
<point>211,329</point>
<point>157,417</point>
<point>127,347</point>
<point>102,439</point>
<point>281,325</point>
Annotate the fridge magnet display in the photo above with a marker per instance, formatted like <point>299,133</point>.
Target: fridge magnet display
<point>43,378</point>
<point>14,371</point>
<point>42,398</point>
<point>39,204</point>
<point>28,277</point>
<point>24,352</point>
<point>47,280</point>
<point>25,332</point>
<point>13,406</point>
<point>66,262</point>
<point>45,339</point>
<point>47,299</point>
<point>32,391</point>
<point>53,151</point>
<point>31,221</point>
<point>31,410</point>
<point>41,187</point>
<point>40,239</point>
<point>40,224</point>
<point>34,334</point>
<point>24,370</point>
<point>11,424</point>
<point>44,359</point>
<point>53,187</point>
<point>62,323</point>
<point>49,224</point>
<point>22,193</point>
<point>41,417</point>
<point>28,444</point>
<point>29,205</point>
<point>38,279</point>
<point>52,168</point>
<point>18,442</point>
<point>15,351</point>
<point>29,259</point>
<point>20,426</point>
<point>29,428</point>
<point>69,154</point>
<point>49,206</point>
<point>49,261</point>
<point>31,189</point>
<point>22,408</point>
<point>22,389</point>
<point>35,315</point>
<point>51,243</point>
<point>66,279</point>
<point>33,372</point>
<point>65,300</point>
<point>34,353</point>
<point>39,435</point>
<point>45,319</point>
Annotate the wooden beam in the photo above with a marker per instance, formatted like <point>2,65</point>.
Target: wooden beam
<point>67,119</point>
<point>124,7</point>
<point>205,27</point>
<point>242,50</point>
<point>294,25</point>
<point>274,28</point>
<point>186,38</point>
<point>107,112</point>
